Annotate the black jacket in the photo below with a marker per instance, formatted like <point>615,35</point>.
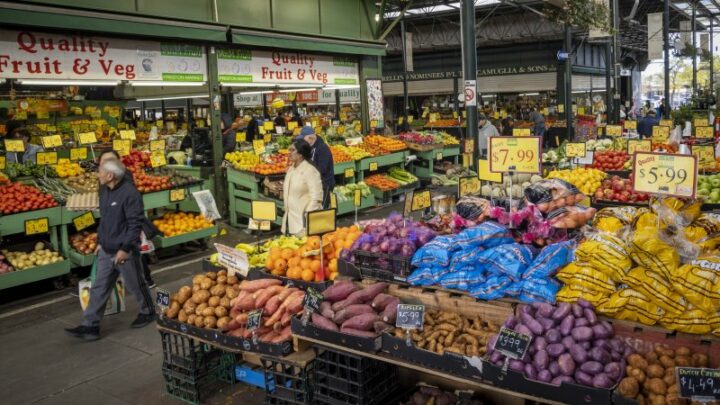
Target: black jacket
<point>122,213</point>
<point>323,160</point>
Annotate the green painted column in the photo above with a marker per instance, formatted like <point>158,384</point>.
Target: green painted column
<point>219,189</point>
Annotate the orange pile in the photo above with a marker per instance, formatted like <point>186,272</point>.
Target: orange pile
<point>452,122</point>
<point>176,223</point>
<point>299,264</point>
<point>382,182</point>
<point>276,164</point>
<point>339,156</point>
<point>372,149</point>
<point>393,145</point>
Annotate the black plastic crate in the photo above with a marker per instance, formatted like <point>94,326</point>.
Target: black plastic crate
<point>344,378</point>
<point>195,386</point>
<point>382,265</point>
<point>287,382</point>
<point>185,353</point>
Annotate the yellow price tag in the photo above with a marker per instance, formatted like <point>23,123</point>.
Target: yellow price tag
<point>639,145</point>
<point>200,123</point>
<point>263,210</point>
<point>579,110</point>
<point>658,173</point>
<point>439,156</point>
<point>468,186</point>
<point>85,220</point>
<point>261,130</point>
<point>358,127</point>
<point>177,195</point>
<point>660,134</point>
<point>467,159</point>
<point>37,226</point>
<point>51,128</point>
<point>51,141</point>
<point>705,155</point>
<point>159,123</point>
<point>3,161</point>
<point>545,111</point>
<point>420,200</point>
<point>267,138</point>
<point>373,123</point>
<point>704,132</point>
<point>410,119</point>
<point>575,149</point>
<point>433,117</point>
<point>561,108</point>
<point>127,134</point>
<point>14,145</point>
<point>357,198</point>
<point>42,115</point>
<point>157,158</point>
<point>87,138</point>
<point>401,120</point>
<point>516,154</point>
<point>240,137</point>
<point>259,146</point>
<point>268,125</point>
<point>292,125</point>
<point>321,222</point>
<point>464,114</point>
<point>373,166</point>
<point>425,112</point>
<point>333,200</point>
<point>485,174</point>
<point>701,122</point>
<point>496,115</point>
<point>503,114</point>
<point>521,131</point>
<point>122,146</point>
<point>96,114</point>
<point>630,125</point>
<point>455,114</point>
<point>78,154</point>
<point>666,123</point>
<point>20,115</point>
<point>613,130</point>
<point>349,173</point>
<point>46,158</point>
<point>114,112</point>
<point>315,123</point>
<point>157,145</point>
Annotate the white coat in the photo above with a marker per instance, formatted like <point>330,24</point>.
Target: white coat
<point>302,192</point>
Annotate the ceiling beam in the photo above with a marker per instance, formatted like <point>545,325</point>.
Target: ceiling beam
<point>395,21</point>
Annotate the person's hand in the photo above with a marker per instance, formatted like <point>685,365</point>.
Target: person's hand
<point>121,257</point>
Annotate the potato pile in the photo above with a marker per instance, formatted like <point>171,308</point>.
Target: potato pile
<point>451,332</point>
<point>207,303</point>
<point>651,377</point>
<point>40,256</point>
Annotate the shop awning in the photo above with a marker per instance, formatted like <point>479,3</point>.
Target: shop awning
<point>44,17</point>
<point>307,44</point>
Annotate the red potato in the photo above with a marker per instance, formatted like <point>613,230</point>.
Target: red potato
<point>232,325</point>
<point>361,322</point>
<point>367,294</point>
<point>356,332</point>
<point>380,301</point>
<point>390,312</point>
<point>262,296</point>
<point>339,291</point>
<point>351,311</point>
<point>272,305</point>
<point>323,322</point>
<point>245,304</point>
<point>252,286</point>
<point>326,310</point>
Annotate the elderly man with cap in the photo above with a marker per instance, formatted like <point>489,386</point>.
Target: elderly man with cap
<point>323,161</point>
<point>486,130</point>
<point>645,126</point>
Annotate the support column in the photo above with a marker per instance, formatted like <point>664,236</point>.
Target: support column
<point>469,57</point>
<point>608,80</point>
<point>456,102</point>
<point>189,116</point>
<point>568,83</point>
<point>337,104</point>
<point>693,21</point>
<point>142,111</point>
<point>616,63</point>
<point>406,102</point>
<point>666,44</point>
<point>712,59</point>
<point>220,188</point>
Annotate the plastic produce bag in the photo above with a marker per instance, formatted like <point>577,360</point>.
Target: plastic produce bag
<point>511,260</point>
<point>614,219</point>
<point>486,235</point>
<point>434,253</point>
<point>550,194</point>
<point>606,252</point>
<point>631,305</point>
<point>586,276</point>
<point>573,292</point>
<point>473,208</point>
<point>657,289</point>
<point>650,251</point>
<point>699,283</point>
<point>550,259</point>
<point>493,289</point>
<point>464,280</point>
<point>693,320</point>
<point>538,289</point>
<point>570,217</point>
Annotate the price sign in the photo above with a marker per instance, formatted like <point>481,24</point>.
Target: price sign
<point>578,110</point>
<point>561,108</point>
<point>660,134</point>
<point>521,131</point>
<point>613,130</point>
<point>357,198</point>
<point>46,158</point>
<point>666,123</point>
<point>520,154</point>
<point>333,200</point>
<point>321,222</point>
<point>630,125</point>
<point>410,119</point>
<point>312,300</point>
<point>268,125</point>
<point>469,145</point>
<point>349,173</point>
<point>127,134</point>
<point>373,123</point>
<point>575,149</point>
<point>240,137</point>
<point>258,225</point>
<point>468,186</point>
<point>157,158</point>
<point>485,174</point>
<point>86,138</point>
<point>51,141</point>
<point>373,166</point>
<point>420,200</point>
<point>157,145</point>
<point>122,146</point>
<point>14,145</point>
<point>51,128</point>
<point>292,125</point>
<point>159,123</point>
<point>259,146</point>
<point>410,316</point>
<point>85,220</point>
<point>698,383</point>
<point>235,260</point>
<point>704,132</point>
<point>37,226</point>
<point>3,161</point>
<point>177,195</point>
<point>705,155</point>
<point>162,298</point>
<point>438,156</point>
<point>358,127</point>
<point>639,145</point>
<point>267,138</point>
<point>20,115</point>
<point>512,344</point>
<point>263,210</point>
<point>200,123</point>
<point>701,122</point>
<point>78,154</point>
<point>658,173</point>
<point>253,321</point>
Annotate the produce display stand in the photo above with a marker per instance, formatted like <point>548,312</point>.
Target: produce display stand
<point>339,170</point>
<point>346,207</point>
<point>160,199</point>
<point>77,259</point>
<point>165,242</point>
<point>424,167</point>
<point>243,188</point>
<point>382,161</point>
<point>203,173</point>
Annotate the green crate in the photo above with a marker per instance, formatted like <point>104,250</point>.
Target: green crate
<point>451,151</point>
<point>78,259</point>
<point>15,223</point>
<point>21,277</point>
<point>162,242</point>
<point>160,199</point>
<point>339,168</point>
<point>384,160</point>
<point>66,216</point>
<point>346,207</point>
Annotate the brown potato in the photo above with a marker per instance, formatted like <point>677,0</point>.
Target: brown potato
<point>206,283</point>
<point>656,386</point>
<point>211,275</point>
<point>672,400</point>
<point>641,400</point>
<point>655,371</point>
<point>218,291</point>
<point>189,306</point>
<point>210,321</point>
<point>673,389</point>
<point>231,293</point>
<point>222,273</point>
<point>683,361</point>
<point>209,311</point>
<point>198,278</point>
<point>171,312</point>
<point>201,296</point>
<point>637,361</point>
<point>184,294</point>
<point>638,374</point>
<point>667,361</point>
<point>221,311</point>
<point>199,321</point>
<point>652,358</point>
<point>683,351</point>
<point>232,280</point>
<point>629,387</point>
<point>175,305</point>
<point>182,316</point>
<point>221,279</point>
<point>196,288</point>
<point>222,322</point>
<point>191,319</point>
<point>658,400</point>
<point>669,380</point>
<point>699,360</point>
<point>225,302</point>
<point>200,308</point>
<point>214,301</point>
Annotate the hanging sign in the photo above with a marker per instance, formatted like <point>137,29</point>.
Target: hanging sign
<point>658,173</point>
<point>639,145</point>
<point>78,154</point>
<point>517,154</point>
<point>240,137</point>
<point>14,145</point>
<point>87,138</point>
<point>51,141</point>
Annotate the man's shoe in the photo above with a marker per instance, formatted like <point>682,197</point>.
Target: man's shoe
<point>143,320</point>
<point>88,333</point>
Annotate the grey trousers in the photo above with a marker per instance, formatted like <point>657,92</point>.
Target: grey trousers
<point>105,276</point>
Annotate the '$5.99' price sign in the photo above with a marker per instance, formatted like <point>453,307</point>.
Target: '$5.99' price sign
<point>658,173</point>
<point>516,154</point>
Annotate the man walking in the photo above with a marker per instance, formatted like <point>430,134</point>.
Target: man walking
<point>539,122</point>
<point>485,130</point>
<point>323,161</point>
<point>121,209</point>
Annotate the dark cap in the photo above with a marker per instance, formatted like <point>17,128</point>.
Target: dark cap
<point>482,116</point>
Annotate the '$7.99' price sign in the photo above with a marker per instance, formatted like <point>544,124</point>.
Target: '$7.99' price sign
<point>658,173</point>
<point>516,154</point>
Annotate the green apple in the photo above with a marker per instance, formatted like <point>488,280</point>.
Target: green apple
<point>715,195</point>
<point>703,191</point>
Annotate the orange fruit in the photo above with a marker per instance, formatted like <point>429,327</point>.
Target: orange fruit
<point>294,261</point>
<point>269,262</point>
<point>286,253</point>
<point>339,245</point>
<point>353,228</point>
<point>333,276</point>
<point>275,252</point>
<point>314,242</point>
<point>348,244</point>
<point>332,266</point>
<point>294,272</point>
<point>315,266</point>
<point>308,275</point>
<point>281,264</point>
<point>305,263</point>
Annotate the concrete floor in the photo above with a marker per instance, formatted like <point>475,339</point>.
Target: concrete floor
<point>40,364</point>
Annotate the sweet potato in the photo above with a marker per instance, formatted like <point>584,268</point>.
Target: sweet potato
<point>380,301</point>
<point>272,305</point>
<point>351,311</point>
<point>259,331</point>
<point>326,310</point>
<point>356,332</point>
<point>286,293</point>
<point>361,322</point>
<point>367,294</point>
<point>380,326</point>
<point>390,312</point>
<point>339,291</point>
<point>296,303</point>
<point>254,285</point>
<point>290,300</point>
<point>323,322</point>
<point>283,335</point>
<point>268,337</point>
<point>285,320</point>
<point>245,304</point>
<point>232,325</point>
<point>262,296</point>
<point>239,332</point>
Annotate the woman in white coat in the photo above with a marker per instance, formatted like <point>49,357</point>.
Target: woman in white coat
<point>302,188</point>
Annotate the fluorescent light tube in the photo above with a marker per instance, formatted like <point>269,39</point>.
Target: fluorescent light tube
<point>173,97</point>
<point>161,83</point>
<point>31,82</point>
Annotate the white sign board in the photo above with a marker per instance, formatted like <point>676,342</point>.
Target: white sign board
<point>470,92</point>
<point>655,35</point>
<point>253,99</point>
<point>278,68</point>
<point>37,55</point>
<point>235,260</point>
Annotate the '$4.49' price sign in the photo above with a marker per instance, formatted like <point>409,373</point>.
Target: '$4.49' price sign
<point>516,154</point>
<point>658,173</point>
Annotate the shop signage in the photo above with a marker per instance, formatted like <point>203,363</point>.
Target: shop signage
<point>347,96</point>
<point>492,71</point>
<point>698,383</point>
<point>657,173</point>
<point>470,92</point>
<point>280,67</point>
<point>37,55</point>
<point>516,154</point>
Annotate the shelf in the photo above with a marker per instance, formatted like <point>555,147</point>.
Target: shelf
<point>80,260</point>
<point>15,223</point>
<point>162,242</point>
<point>160,199</point>
<point>21,277</point>
<point>67,216</point>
